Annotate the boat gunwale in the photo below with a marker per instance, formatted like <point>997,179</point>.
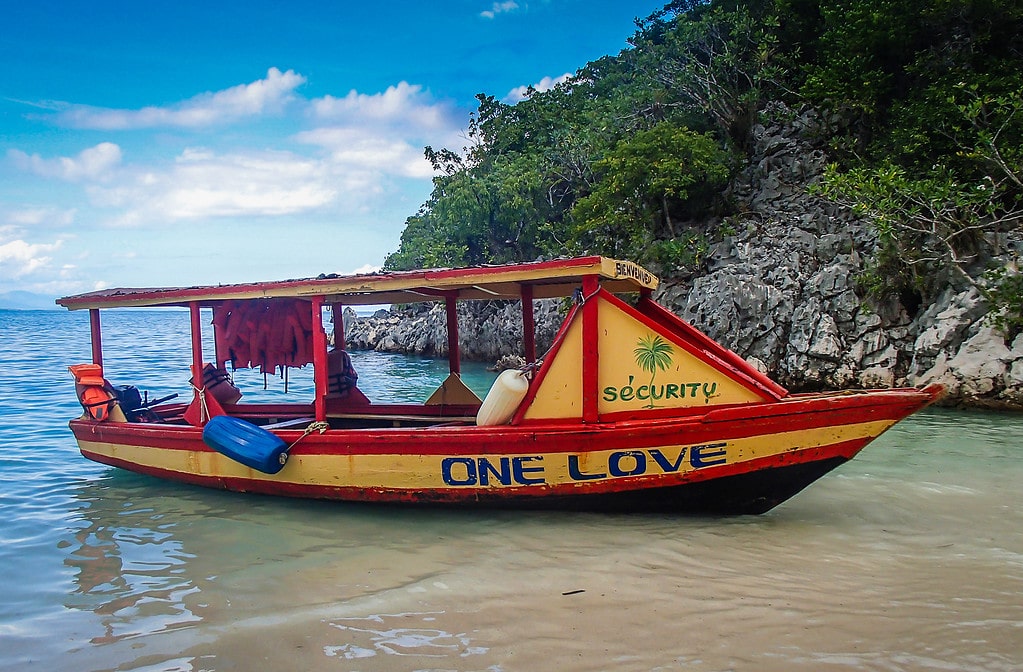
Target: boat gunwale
<point>812,411</point>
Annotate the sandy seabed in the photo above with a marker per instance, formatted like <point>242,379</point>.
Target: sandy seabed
<point>846,577</point>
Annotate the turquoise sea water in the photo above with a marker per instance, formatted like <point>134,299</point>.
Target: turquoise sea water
<point>910,557</point>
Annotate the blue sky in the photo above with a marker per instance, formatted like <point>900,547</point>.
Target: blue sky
<point>179,143</point>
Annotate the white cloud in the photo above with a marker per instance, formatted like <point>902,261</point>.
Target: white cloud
<point>19,258</point>
<point>206,109</point>
<point>404,110</point>
<point>383,133</point>
<point>362,138</point>
<point>545,84</point>
<point>246,185</point>
<point>353,152</point>
<point>94,163</point>
<point>356,151</point>
<point>499,8</point>
<point>344,160</point>
<point>402,101</point>
<point>203,184</point>
<point>39,217</point>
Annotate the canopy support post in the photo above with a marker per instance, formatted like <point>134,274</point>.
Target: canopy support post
<point>591,286</point>
<point>320,360</point>
<point>96,336</point>
<point>337,312</point>
<point>218,356</point>
<point>197,373</point>
<point>528,325</point>
<point>454,356</point>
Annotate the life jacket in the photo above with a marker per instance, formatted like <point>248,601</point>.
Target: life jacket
<point>96,395</point>
<point>341,375</point>
<point>218,383</point>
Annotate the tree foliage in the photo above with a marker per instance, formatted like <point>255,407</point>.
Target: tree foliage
<point>719,61</point>
<point>642,184</point>
<point>632,155</point>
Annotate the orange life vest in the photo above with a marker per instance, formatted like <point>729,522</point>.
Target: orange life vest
<point>94,392</point>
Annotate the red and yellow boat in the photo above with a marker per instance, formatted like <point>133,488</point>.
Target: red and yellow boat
<point>631,409</point>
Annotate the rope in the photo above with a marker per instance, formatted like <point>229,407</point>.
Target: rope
<point>320,426</point>
<point>205,412</point>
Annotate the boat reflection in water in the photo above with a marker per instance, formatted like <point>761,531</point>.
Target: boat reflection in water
<point>198,576</point>
<point>129,568</point>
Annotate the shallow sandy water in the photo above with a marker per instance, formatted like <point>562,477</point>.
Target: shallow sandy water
<point>910,557</point>
<point>860,573</point>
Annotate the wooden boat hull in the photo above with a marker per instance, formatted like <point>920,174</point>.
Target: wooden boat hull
<point>731,460</point>
<point>630,408</point>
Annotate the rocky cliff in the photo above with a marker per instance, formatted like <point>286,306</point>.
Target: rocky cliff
<point>779,290</point>
<point>487,331</point>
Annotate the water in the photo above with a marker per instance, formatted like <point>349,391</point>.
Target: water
<point>910,557</point>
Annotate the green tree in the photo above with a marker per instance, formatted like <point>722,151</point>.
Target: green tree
<point>718,61</point>
<point>644,184</point>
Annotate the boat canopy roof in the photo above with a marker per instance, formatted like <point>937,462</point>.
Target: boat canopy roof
<point>556,278</point>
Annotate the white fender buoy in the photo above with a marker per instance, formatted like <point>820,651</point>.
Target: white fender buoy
<point>503,399</point>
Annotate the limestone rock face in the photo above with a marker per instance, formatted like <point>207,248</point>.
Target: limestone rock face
<point>781,292</point>
<point>487,331</point>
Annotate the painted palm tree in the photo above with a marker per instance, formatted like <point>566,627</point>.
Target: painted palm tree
<point>653,353</point>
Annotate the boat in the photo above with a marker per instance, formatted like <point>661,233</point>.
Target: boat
<point>631,409</point>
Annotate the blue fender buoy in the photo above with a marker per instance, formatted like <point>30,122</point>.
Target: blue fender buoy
<point>246,443</point>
